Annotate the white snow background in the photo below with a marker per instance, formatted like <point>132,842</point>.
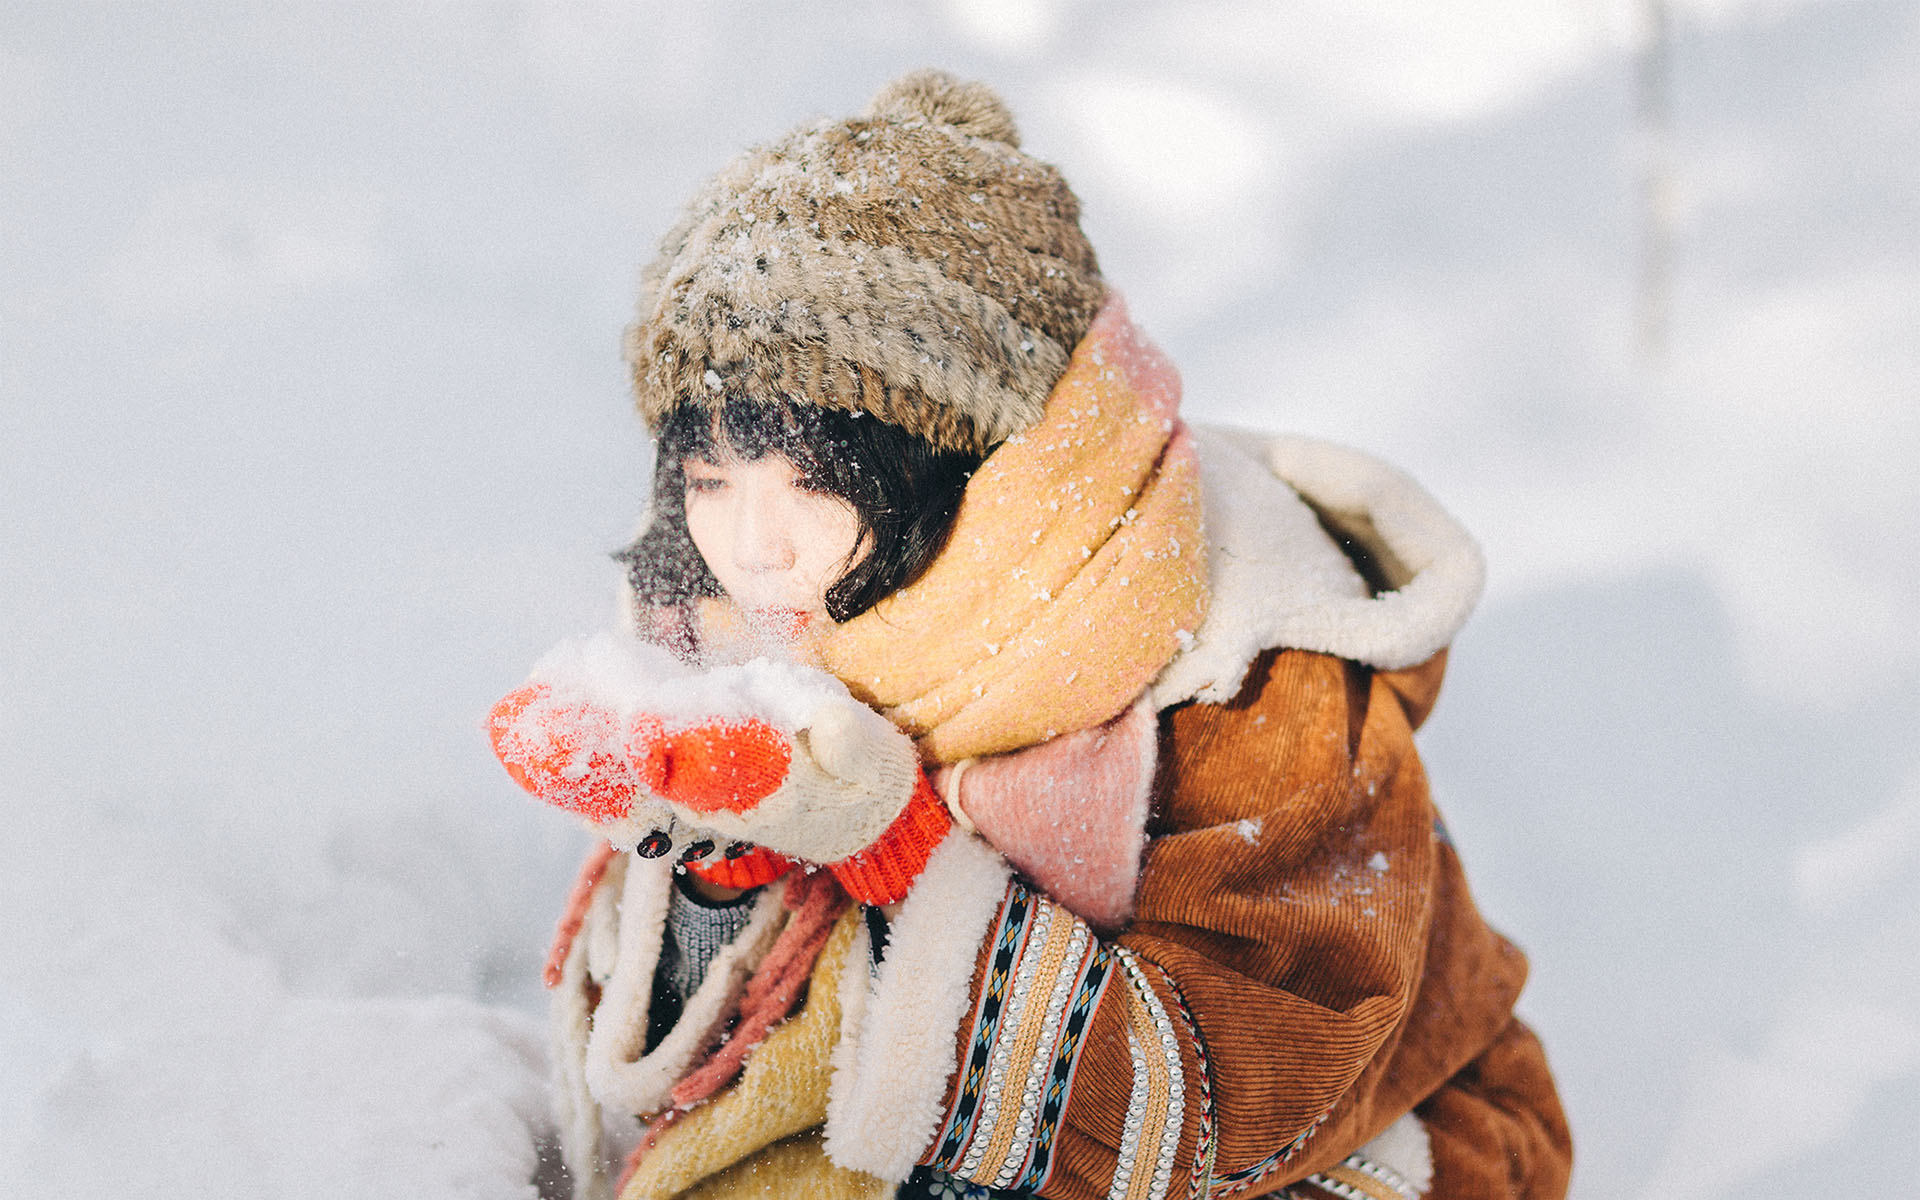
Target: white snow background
<point>313,435</point>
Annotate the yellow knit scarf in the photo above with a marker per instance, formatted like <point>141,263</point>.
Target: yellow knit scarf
<point>1075,570</point>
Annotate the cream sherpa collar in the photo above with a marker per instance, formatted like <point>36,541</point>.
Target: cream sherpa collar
<point>1278,580</point>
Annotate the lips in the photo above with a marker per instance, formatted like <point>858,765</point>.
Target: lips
<point>786,623</point>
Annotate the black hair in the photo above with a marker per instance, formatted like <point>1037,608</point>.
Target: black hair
<point>904,492</point>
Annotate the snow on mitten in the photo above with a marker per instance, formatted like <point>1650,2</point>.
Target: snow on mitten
<point>568,752</point>
<point>745,766</point>
<point>578,756</point>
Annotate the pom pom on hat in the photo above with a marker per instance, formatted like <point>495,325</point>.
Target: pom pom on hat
<point>970,107</point>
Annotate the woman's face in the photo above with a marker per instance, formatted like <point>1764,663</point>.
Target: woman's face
<point>775,544</point>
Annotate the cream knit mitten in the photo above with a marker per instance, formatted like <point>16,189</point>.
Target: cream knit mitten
<point>773,756</point>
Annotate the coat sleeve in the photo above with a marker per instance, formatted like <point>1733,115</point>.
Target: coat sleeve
<point>1245,1028</point>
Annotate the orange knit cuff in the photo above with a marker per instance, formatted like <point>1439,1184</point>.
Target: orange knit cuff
<point>882,873</point>
<point>755,867</point>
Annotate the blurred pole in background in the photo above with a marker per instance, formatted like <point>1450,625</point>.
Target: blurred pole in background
<point>1653,138</point>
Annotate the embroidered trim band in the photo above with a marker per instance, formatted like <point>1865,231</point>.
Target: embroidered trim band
<point>1240,1181</point>
<point>1046,978</point>
<point>1201,1176</point>
<point>1150,1137</point>
<point>1008,936</point>
<point>1360,1178</point>
<point>1087,993</point>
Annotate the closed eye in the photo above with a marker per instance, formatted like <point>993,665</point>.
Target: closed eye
<point>702,476</point>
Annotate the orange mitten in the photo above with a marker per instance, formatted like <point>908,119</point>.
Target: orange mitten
<point>725,766</point>
<point>745,777</point>
<point>746,767</point>
<point>568,753</point>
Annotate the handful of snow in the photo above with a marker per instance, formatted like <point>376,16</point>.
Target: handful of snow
<point>654,753</point>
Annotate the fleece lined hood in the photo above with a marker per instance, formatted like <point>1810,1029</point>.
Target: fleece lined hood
<point>1279,579</point>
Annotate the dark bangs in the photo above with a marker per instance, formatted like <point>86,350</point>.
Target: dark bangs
<point>904,492</point>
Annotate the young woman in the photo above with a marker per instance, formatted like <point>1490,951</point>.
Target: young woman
<point>1007,789</point>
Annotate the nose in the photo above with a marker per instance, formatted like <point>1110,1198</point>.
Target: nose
<point>762,542</point>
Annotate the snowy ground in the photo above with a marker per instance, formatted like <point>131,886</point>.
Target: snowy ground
<point>312,436</point>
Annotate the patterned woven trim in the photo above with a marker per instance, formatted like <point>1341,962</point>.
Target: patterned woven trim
<point>1359,1178</point>
<point>1043,944</point>
<point>1092,985</point>
<point>1047,976</point>
<point>1032,1058</point>
<point>1019,999</point>
<point>1136,1116</point>
<point>1157,1107</point>
<point>1008,936</point>
<point>1240,1181</point>
<point>1200,1178</point>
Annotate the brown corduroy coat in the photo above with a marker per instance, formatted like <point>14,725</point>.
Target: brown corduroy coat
<point>1302,894</point>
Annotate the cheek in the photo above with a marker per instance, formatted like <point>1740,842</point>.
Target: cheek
<point>832,528</point>
<point>832,531</point>
<point>711,530</point>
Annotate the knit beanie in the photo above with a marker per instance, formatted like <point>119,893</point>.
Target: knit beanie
<point>909,263</point>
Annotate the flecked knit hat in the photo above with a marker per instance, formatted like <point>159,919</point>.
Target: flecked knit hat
<point>910,263</point>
